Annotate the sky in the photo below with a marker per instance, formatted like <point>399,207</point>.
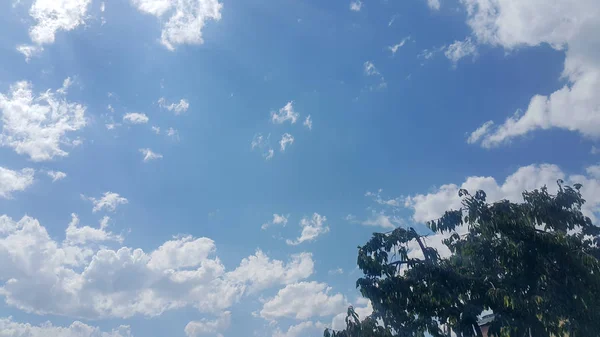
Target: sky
<point>208,167</point>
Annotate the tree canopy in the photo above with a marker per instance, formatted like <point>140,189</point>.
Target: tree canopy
<point>535,265</point>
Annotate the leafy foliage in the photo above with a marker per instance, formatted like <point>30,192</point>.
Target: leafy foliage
<point>534,264</point>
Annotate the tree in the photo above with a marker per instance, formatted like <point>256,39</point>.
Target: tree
<point>534,264</point>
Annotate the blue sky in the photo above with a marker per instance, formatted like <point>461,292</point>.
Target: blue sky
<point>143,183</point>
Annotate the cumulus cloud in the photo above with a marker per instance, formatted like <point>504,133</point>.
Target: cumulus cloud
<point>95,282</point>
<point>208,327</point>
<point>285,114</point>
<point>302,329</point>
<point>183,21</point>
<point>149,155</point>
<point>37,126</point>
<point>303,300</point>
<point>76,235</point>
<point>136,118</point>
<point>311,229</point>
<point>431,206</point>
<point>278,219</point>
<point>565,25</point>
<point>258,272</point>
<point>108,202</point>
<point>10,328</point>
<point>51,17</point>
<point>286,139</point>
<point>460,49</point>
<point>177,108</point>
<point>56,175</point>
<point>14,181</point>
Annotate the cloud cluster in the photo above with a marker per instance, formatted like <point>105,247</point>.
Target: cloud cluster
<point>51,17</point>
<point>37,125</point>
<point>92,281</point>
<point>10,328</point>
<point>108,202</point>
<point>14,181</point>
<point>304,300</point>
<point>135,118</point>
<point>177,108</point>
<point>431,206</point>
<point>183,20</point>
<point>278,219</point>
<point>311,229</point>
<point>565,25</point>
<point>208,327</point>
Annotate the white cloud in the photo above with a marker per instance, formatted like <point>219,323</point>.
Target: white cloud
<point>186,19</point>
<point>108,202</point>
<point>156,130</point>
<point>136,118</point>
<point>208,327</point>
<point>337,271</point>
<point>37,125</point>
<point>311,229</point>
<point>566,25</point>
<point>269,154</point>
<point>149,155</point>
<point>76,235</point>
<point>14,181</point>
<point>286,113</point>
<point>431,206</point>
<point>593,171</point>
<point>51,17</point>
<point>261,143</point>
<point>363,308</point>
<point>94,282</point>
<point>371,70</point>
<point>29,51</point>
<point>381,220</point>
<point>182,252</point>
<point>433,4</point>
<point>258,272</point>
<point>177,108</point>
<point>286,139</point>
<point>56,175</point>
<point>397,46</point>
<point>308,122</point>
<point>277,220</point>
<point>172,133</point>
<point>356,5</point>
<point>302,329</point>
<point>460,49</point>
<point>480,132</point>
<point>10,328</point>
<point>303,300</point>
<point>376,196</point>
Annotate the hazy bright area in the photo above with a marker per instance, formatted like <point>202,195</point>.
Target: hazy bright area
<point>208,167</point>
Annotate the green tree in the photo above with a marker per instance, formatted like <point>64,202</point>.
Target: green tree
<point>534,264</point>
